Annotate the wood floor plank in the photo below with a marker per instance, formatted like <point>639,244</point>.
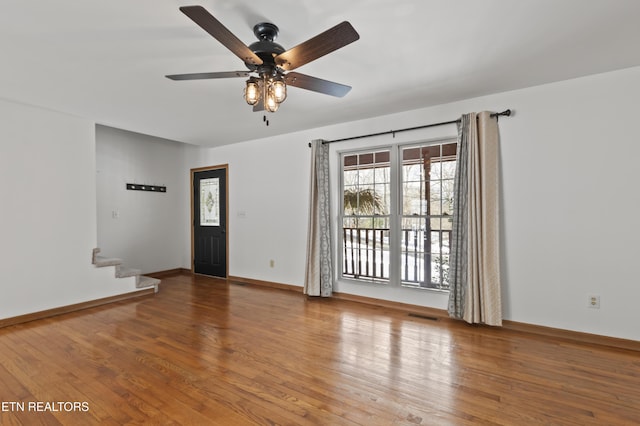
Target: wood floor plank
<point>205,351</point>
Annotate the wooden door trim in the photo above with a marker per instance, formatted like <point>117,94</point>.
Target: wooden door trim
<point>224,167</point>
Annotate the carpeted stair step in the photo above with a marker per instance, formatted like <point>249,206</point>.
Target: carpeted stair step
<point>101,261</point>
<point>144,281</point>
<point>122,272</point>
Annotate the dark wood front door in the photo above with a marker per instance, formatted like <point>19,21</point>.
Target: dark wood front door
<point>210,221</point>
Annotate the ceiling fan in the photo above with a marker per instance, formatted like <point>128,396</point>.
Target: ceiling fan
<point>268,63</point>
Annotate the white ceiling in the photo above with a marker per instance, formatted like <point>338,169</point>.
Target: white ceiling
<point>106,60</point>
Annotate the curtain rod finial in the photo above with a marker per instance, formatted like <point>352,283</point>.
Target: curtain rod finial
<point>505,113</point>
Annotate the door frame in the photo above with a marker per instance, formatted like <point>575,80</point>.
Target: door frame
<point>224,167</point>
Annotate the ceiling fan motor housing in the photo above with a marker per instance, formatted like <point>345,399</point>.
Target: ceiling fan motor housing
<point>265,48</point>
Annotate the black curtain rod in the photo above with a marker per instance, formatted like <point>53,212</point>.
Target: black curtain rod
<point>505,113</point>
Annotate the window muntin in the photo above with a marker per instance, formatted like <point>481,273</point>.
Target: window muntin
<point>420,226</point>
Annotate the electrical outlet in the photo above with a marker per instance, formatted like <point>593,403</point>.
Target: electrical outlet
<point>593,301</point>
<point>272,263</point>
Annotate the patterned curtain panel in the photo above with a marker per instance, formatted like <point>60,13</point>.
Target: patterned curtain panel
<point>475,256</point>
<point>458,245</point>
<point>319,271</point>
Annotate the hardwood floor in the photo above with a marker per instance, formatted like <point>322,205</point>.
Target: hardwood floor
<point>202,351</point>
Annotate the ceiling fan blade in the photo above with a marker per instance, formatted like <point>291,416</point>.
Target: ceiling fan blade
<point>206,75</point>
<point>316,84</point>
<point>207,22</point>
<point>318,46</point>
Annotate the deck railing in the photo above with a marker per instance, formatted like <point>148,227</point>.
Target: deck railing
<point>366,255</point>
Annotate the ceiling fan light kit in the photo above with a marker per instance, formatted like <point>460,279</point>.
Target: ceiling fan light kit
<point>269,63</point>
<point>271,90</point>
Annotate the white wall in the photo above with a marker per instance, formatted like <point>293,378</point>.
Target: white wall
<point>268,192</point>
<point>569,203</point>
<point>145,229</point>
<point>48,212</point>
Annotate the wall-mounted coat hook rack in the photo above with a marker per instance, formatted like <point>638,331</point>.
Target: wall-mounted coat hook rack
<point>141,187</point>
